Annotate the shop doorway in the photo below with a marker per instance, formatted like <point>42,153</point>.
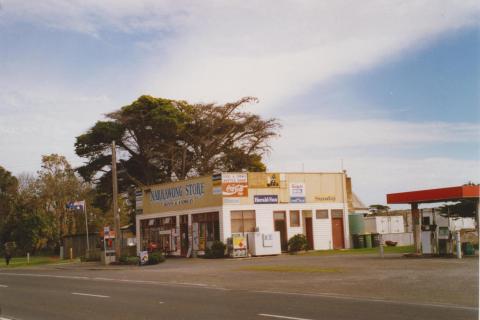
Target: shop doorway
<point>184,235</point>
<point>205,230</point>
<point>337,229</point>
<point>280,225</point>
<point>309,232</point>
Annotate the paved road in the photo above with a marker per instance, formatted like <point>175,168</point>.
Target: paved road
<point>28,294</point>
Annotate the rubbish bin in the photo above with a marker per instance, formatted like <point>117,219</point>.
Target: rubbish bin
<point>358,241</point>
<point>468,249</point>
<point>368,240</point>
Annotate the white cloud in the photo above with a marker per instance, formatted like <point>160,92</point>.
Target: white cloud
<point>381,156</point>
<point>306,131</point>
<point>276,50</point>
<point>36,123</point>
<point>217,50</point>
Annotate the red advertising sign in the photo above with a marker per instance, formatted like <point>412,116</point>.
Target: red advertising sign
<point>235,184</point>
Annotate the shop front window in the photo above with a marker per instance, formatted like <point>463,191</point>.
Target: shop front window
<point>156,234</point>
<point>243,221</point>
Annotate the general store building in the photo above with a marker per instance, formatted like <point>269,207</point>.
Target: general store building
<point>185,217</point>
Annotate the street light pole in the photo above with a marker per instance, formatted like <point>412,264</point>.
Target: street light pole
<point>116,216</point>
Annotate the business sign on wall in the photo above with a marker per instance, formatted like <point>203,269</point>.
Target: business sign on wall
<point>297,199</point>
<point>235,184</point>
<point>178,195</point>
<point>325,198</point>
<point>297,192</point>
<point>265,199</point>
<point>231,200</point>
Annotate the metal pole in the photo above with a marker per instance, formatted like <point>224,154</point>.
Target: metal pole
<point>116,216</point>
<point>381,246</point>
<point>459,244</point>
<point>86,228</point>
<point>416,228</point>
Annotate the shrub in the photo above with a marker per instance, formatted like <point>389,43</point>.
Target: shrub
<point>297,243</point>
<point>155,258</point>
<point>217,250</point>
<point>124,259</point>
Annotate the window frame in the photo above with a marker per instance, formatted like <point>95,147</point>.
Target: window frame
<point>298,224</point>
<point>322,212</point>
<point>243,213</point>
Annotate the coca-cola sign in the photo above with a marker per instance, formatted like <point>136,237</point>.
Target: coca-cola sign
<point>235,184</point>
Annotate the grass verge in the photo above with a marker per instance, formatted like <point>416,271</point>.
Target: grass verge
<point>387,250</point>
<point>17,262</point>
<point>302,269</point>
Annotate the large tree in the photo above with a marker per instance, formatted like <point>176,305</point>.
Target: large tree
<point>56,186</point>
<point>161,140</point>
<point>8,196</point>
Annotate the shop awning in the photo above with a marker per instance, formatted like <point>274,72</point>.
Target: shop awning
<point>435,195</point>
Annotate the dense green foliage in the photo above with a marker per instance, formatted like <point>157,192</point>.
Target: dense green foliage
<point>464,208</point>
<point>217,250</point>
<point>378,209</point>
<point>155,258</point>
<point>297,243</point>
<point>159,140</point>
<point>33,213</point>
<point>129,260</point>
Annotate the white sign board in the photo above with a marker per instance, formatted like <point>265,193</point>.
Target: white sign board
<point>106,232</point>
<point>297,189</point>
<point>143,257</point>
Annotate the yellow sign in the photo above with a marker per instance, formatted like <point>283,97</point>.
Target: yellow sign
<point>263,180</point>
<point>239,241</point>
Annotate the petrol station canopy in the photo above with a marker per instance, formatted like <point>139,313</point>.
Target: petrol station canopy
<point>435,195</point>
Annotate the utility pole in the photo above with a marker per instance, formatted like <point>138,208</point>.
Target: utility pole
<point>116,216</point>
<point>86,227</point>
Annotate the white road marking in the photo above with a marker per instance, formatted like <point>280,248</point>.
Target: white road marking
<point>90,295</point>
<point>161,302</point>
<point>281,317</point>
<point>164,283</point>
<point>366,299</point>
<point>3,286</point>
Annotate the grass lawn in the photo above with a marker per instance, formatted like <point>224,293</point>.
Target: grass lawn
<point>34,261</point>
<point>403,249</point>
<point>303,269</point>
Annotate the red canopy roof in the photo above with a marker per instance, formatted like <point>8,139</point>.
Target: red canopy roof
<point>435,195</point>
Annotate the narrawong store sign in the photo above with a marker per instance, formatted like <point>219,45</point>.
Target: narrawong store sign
<point>265,199</point>
<point>178,195</point>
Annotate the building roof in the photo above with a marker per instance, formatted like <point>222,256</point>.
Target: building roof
<point>357,203</point>
<point>435,195</point>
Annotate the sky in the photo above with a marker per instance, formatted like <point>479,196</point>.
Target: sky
<point>387,90</point>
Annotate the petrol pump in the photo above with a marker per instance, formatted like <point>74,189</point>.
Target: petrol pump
<point>441,234</point>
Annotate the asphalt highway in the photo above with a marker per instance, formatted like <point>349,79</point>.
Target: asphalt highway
<point>31,295</point>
